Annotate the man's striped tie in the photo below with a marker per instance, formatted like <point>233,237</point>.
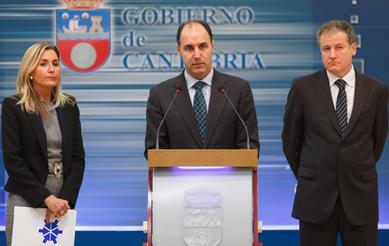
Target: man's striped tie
<point>341,106</point>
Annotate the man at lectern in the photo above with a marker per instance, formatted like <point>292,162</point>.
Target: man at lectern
<point>335,126</point>
<point>199,103</point>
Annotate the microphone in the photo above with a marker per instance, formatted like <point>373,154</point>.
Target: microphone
<point>223,91</point>
<point>178,91</point>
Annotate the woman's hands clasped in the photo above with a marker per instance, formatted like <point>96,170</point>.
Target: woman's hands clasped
<point>56,207</point>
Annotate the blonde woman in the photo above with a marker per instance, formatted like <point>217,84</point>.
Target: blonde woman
<point>41,138</point>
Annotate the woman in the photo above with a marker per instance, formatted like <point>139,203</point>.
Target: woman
<point>41,138</point>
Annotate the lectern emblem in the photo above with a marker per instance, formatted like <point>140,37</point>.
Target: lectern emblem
<point>203,217</point>
<point>83,34</point>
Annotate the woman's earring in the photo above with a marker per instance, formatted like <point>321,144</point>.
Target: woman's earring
<point>31,78</point>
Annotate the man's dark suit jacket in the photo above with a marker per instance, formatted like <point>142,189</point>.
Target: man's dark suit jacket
<point>326,164</point>
<point>224,130</point>
<point>25,152</point>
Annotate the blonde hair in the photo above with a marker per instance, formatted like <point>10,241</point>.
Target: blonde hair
<point>28,99</point>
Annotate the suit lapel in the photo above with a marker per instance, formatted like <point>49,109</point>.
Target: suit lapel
<point>39,131</point>
<point>323,92</point>
<point>216,107</point>
<point>361,90</point>
<point>185,108</point>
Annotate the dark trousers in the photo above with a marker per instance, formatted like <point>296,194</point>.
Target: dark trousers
<point>326,234</point>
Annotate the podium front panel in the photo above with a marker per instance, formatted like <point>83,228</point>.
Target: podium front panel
<point>210,207</point>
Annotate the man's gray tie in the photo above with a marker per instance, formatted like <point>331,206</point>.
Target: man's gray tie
<point>341,106</point>
<point>200,109</point>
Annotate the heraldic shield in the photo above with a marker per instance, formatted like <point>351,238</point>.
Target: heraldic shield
<point>83,37</point>
<point>202,217</point>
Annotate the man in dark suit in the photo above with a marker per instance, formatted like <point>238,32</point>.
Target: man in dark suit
<point>201,116</point>
<point>335,126</point>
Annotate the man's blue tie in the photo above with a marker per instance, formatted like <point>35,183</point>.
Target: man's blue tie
<point>200,109</point>
<point>341,106</point>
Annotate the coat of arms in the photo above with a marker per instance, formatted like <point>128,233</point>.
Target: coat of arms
<point>202,217</point>
<point>83,34</point>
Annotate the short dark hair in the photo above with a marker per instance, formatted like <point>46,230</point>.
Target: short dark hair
<point>338,25</point>
<point>188,22</point>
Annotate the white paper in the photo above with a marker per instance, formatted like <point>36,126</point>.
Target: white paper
<point>29,228</point>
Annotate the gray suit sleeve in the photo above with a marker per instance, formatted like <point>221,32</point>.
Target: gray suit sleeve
<point>380,130</point>
<point>292,133</point>
<point>154,116</point>
<point>247,111</point>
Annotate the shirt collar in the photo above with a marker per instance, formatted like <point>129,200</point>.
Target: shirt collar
<point>349,78</point>
<point>190,81</point>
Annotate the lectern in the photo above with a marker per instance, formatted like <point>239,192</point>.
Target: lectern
<point>202,197</point>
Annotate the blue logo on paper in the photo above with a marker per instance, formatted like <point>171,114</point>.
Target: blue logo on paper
<point>50,232</point>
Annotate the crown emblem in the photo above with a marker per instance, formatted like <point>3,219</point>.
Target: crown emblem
<point>83,4</point>
<point>203,197</point>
